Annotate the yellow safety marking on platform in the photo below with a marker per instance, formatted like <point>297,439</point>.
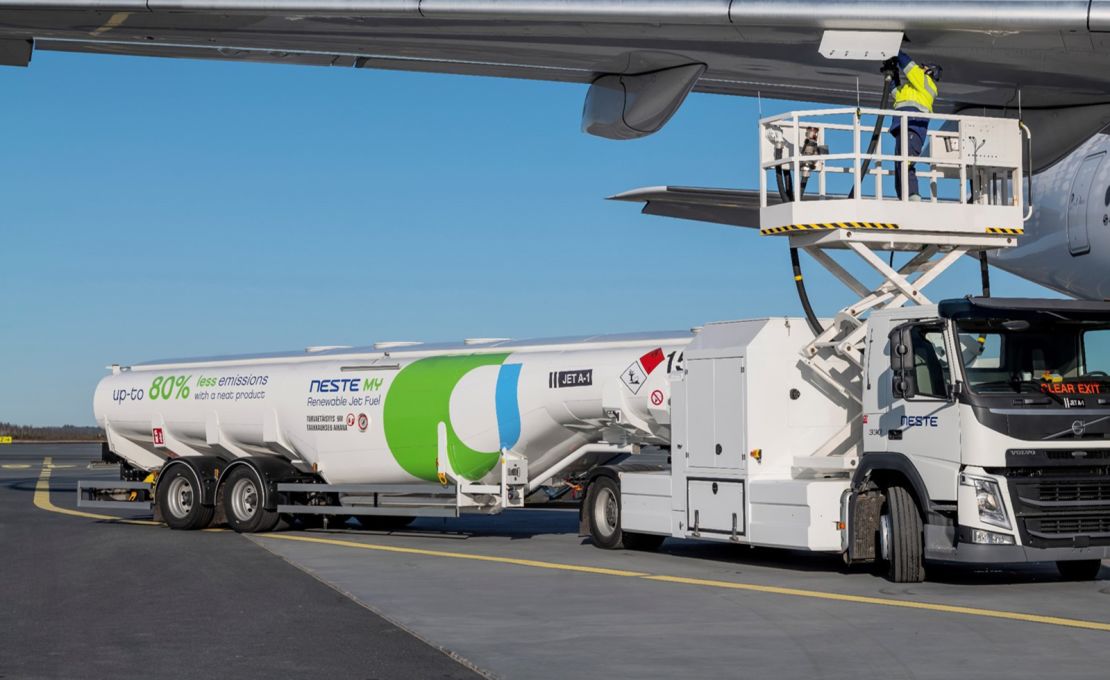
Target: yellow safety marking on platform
<point>43,502</point>
<point>457,555</point>
<point>114,21</point>
<point>1011,231</point>
<point>730,585</point>
<point>829,226</point>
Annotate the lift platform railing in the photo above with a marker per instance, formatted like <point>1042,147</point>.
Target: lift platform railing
<point>982,157</point>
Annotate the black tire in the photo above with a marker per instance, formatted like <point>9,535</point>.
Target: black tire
<point>603,513</point>
<point>644,542</point>
<point>244,501</point>
<point>1079,570</point>
<point>178,498</point>
<point>383,522</point>
<point>907,559</point>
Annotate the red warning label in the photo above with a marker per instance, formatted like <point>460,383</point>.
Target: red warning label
<point>652,359</point>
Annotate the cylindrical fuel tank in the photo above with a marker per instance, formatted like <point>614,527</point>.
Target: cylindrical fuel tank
<point>373,415</point>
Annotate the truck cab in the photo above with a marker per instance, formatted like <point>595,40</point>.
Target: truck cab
<point>997,414</point>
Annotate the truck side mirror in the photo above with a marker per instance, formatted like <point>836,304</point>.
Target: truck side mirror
<point>904,383</point>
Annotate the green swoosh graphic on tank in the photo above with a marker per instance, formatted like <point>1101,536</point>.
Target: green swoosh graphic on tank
<point>417,402</point>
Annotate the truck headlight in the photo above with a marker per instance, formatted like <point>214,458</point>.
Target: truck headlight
<point>988,497</point>
<point>990,538</point>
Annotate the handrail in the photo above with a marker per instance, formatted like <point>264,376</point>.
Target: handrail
<point>1029,169</point>
<point>797,143</point>
<point>862,111</point>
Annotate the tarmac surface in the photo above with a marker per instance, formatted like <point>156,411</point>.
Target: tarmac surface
<point>516,595</point>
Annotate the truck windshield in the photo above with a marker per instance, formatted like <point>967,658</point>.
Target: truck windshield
<point>1064,358</point>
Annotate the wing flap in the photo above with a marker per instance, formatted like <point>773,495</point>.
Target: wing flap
<point>733,207</point>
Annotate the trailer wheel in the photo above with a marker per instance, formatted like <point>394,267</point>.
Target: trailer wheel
<point>1079,570</point>
<point>244,500</point>
<point>904,543</point>
<point>178,499</point>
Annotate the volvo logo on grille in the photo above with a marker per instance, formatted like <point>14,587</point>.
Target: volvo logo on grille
<point>1078,428</point>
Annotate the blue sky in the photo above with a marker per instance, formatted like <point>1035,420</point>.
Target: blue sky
<point>163,208</point>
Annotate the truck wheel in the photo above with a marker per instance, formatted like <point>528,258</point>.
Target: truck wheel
<point>243,503</point>
<point>1079,570</point>
<point>906,563</point>
<point>603,509</point>
<point>178,499</point>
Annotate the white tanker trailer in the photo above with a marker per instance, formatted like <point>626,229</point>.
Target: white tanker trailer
<point>396,429</point>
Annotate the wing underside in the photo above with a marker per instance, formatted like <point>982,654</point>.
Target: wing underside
<point>1054,52</point>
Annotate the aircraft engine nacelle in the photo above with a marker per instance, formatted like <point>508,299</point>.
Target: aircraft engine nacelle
<point>630,106</point>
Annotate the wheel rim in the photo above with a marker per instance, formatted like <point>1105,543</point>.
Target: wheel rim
<point>244,499</point>
<point>606,511</point>
<point>886,532</point>
<point>179,497</point>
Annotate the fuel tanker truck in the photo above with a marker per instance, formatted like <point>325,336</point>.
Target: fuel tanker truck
<point>899,430</point>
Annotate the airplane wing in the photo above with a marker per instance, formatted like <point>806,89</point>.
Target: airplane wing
<point>1053,52</point>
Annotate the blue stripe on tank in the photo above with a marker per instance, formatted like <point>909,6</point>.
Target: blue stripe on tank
<point>508,408</point>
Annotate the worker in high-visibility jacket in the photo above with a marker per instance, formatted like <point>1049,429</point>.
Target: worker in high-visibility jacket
<point>917,91</point>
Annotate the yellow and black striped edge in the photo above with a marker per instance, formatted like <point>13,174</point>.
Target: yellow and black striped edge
<point>828,226</point>
<point>1011,231</point>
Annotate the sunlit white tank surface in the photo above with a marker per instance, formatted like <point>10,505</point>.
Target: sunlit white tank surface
<point>373,414</point>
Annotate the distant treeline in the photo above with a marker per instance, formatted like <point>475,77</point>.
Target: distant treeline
<point>51,432</point>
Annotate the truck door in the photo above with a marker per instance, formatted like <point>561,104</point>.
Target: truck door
<point>920,419</point>
<point>1080,205</point>
<point>715,408</point>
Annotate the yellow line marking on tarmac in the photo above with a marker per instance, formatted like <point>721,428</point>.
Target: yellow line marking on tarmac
<point>888,602</point>
<point>43,502</point>
<point>15,466</point>
<point>457,555</point>
<point>732,585</point>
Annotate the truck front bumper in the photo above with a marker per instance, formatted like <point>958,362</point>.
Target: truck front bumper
<point>984,554</point>
<point>980,553</point>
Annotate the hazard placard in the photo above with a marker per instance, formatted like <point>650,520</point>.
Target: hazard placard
<point>633,377</point>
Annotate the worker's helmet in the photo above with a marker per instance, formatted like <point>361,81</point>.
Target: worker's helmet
<point>934,71</point>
